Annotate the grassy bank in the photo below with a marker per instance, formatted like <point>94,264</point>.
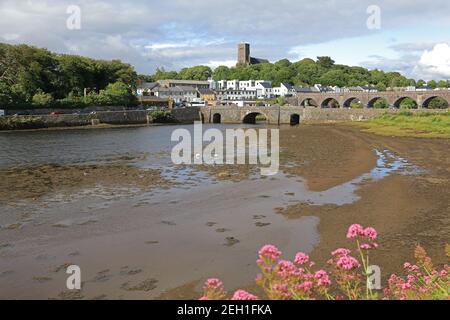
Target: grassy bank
<point>407,124</point>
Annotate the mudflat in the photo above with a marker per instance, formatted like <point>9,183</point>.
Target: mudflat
<point>166,237</point>
<point>406,209</point>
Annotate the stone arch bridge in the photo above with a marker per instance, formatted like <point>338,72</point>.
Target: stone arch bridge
<point>368,99</point>
<point>318,108</point>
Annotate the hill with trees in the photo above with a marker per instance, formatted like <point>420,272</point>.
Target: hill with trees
<point>33,77</point>
<point>306,72</point>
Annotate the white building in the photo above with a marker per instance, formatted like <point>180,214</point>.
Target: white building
<point>247,85</point>
<point>177,94</point>
<point>236,95</point>
<point>284,90</point>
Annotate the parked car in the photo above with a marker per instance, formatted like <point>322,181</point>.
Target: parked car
<point>56,113</point>
<point>2,113</point>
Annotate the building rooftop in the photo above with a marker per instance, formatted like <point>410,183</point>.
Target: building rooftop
<point>183,82</point>
<point>205,91</point>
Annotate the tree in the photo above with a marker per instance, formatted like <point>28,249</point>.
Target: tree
<point>421,83</point>
<point>334,78</point>
<point>221,73</point>
<point>201,73</point>
<point>117,93</point>
<point>381,87</point>
<point>325,62</point>
<point>442,84</point>
<point>432,84</point>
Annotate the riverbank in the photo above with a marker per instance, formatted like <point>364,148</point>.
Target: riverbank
<point>406,124</point>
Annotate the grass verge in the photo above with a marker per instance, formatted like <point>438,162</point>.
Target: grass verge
<point>408,124</point>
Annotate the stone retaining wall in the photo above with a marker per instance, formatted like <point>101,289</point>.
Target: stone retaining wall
<point>187,115</point>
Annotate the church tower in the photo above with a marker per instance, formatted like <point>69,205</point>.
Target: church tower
<point>244,53</point>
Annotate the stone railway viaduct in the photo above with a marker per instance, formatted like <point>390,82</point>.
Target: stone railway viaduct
<point>315,107</point>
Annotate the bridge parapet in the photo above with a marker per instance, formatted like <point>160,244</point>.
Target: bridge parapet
<point>344,99</point>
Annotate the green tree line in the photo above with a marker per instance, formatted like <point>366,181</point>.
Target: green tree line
<point>34,77</point>
<point>306,72</point>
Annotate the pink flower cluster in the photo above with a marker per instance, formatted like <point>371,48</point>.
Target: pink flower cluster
<point>301,258</point>
<point>422,281</point>
<point>269,252</point>
<point>356,230</point>
<point>243,295</point>
<point>285,280</point>
<point>214,284</point>
<point>343,260</point>
<point>214,290</point>
<point>369,234</point>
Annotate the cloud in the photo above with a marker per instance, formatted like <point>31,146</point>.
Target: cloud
<point>435,63</point>
<point>179,33</point>
<point>411,47</point>
<point>215,63</point>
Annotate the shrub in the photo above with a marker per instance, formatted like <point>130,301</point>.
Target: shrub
<point>160,116</point>
<point>41,99</point>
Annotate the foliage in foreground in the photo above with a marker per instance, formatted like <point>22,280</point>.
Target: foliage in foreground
<point>348,276</point>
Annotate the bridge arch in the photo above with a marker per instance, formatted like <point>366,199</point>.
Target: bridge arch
<point>382,102</point>
<point>309,102</point>
<point>439,103</point>
<point>250,118</point>
<point>348,102</point>
<point>295,119</point>
<point>398,102</point>
<point>330,103</point>
<point>217,118</point>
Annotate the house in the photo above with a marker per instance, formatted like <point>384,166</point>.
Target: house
<point>177,94</point>
<point>369,88</point>
<point>169,83</point>
<point>304,90</point>
<point>264,89</point>
<point>250,84</point>
<point>236,95</point>
<point>188,93</point>
<point>323,89</point>
<point>207,95</point>
<point>233,85</point>
<point>284,90</point>
<point>355,89</point>
<point>144,88</point>
<point>424,88</point>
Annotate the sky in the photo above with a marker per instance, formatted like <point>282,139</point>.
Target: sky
<point>411,37</point>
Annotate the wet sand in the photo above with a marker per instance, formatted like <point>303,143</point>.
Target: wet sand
<point>162,243</point>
